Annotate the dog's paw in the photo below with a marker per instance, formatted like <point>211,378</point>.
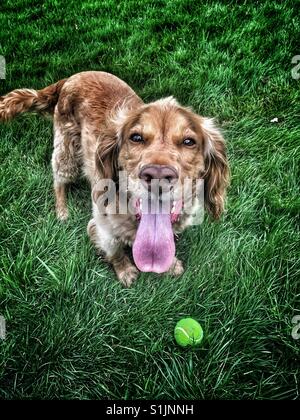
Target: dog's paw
<point>91,230</point>
<point>128,276</point>
<point>62,214</point>
<point>126,272</point>
<point>176,268</point>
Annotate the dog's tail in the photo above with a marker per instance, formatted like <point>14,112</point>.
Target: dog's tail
<point>25,100</point>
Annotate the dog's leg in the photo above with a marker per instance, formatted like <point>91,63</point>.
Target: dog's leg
<point>60,200</point>
<point>65,163</point>
<point>113,252</point>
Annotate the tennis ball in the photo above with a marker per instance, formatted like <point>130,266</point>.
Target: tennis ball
<point>188,332</point>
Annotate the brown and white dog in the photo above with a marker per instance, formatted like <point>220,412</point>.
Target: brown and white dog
<point>101,126</point>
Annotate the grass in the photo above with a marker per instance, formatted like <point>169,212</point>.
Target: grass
<point>72,330</point>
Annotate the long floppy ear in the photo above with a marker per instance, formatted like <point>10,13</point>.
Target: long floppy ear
<point>106,160</point>
<point>216,176</point>
<point>110,142</point>
<point>107,155</point>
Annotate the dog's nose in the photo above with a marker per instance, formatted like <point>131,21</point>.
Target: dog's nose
<point>160,172</point>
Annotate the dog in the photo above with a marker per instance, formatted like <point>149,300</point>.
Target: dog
<point>102,127</point>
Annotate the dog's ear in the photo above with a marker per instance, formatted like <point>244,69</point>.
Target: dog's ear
<point>107,155</point>
<point>106,160</point>
<point>216,175</point>
<point>110,141</point>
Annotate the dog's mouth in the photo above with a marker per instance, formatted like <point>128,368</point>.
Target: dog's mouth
<point>154,245</point>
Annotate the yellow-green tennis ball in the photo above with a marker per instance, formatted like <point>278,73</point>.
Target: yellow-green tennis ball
<point>188,332</point>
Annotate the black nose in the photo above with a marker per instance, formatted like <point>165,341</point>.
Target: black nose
<point>160,172</point>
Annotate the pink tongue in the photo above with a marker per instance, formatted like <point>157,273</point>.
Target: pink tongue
<point>154,247</point>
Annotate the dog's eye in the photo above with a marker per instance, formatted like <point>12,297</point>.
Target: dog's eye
<point>188,142</point>
<point>136,138</point>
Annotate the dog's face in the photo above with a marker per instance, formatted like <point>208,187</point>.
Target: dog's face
<point>165,142</point>
<point>164,139</point>
<point>162,134</point>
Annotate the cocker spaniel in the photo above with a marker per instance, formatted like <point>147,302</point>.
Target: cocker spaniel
<point>101,127</point>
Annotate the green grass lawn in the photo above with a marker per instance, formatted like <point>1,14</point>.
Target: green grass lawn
<point>72,330</point>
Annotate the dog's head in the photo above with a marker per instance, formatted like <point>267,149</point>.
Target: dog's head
<point>163,141</point>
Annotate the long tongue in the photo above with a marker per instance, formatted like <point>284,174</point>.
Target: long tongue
<point>154,247</point>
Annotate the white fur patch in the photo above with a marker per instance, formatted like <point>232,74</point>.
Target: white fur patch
<point>167,102</point>
<point>211,132</point>
<point>119,116</point>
